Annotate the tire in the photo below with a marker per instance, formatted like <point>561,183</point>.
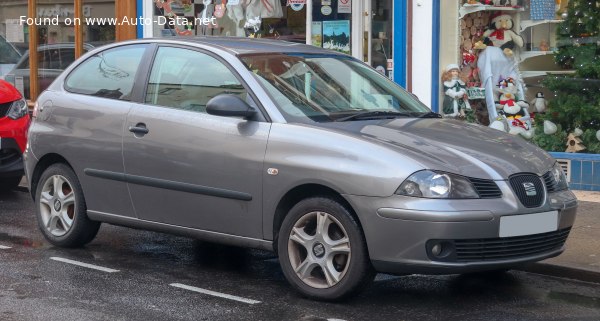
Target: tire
<point>10,183</point>
<point>61,215</point>
<point>325,264</point>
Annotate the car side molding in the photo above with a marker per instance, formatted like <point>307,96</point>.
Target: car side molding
<point>170,185</point>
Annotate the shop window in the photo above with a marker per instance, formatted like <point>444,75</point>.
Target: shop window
<point>109,74</point>
<point>187,79</point>
<point>240,18</point>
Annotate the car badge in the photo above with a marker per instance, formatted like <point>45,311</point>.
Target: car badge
<point>530,189</point>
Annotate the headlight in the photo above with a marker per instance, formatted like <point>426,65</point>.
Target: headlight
<point>559,178</point>
<point>18,109</point>
<point>430,184</point>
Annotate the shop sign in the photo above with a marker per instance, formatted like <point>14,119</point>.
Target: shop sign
<point>326,2</point>
<point>326,10</point>
<point>344,6</point>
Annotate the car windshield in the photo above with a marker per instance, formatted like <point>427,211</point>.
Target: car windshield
<point>325,88</point>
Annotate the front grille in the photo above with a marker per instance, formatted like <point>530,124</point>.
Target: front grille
<point>494,249</point>
<point>528,188</point>
<point>4,109</point>
<point>550,182</point>
<point>486,188</point>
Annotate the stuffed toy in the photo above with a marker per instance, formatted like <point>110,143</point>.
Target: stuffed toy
<point>500,34</point>
<point>513,115</point>
<point>455,93</point>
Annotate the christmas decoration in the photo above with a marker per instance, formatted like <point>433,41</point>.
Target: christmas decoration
<point>543,9</point>
<point>577,94</point>
<point>550,127</point>
<point>513,115</point>
<point>538,104</point>
<point>598,135</point>
<point>574,144</point>
<point>455,99</point>
<point>501,34</point>
<point>578,132</point>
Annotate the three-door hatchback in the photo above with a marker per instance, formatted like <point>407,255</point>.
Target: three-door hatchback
<point>290,148</point>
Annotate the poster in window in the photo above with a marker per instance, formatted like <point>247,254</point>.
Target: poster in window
<point>344,6</point>
<point>336,35</point>
<point>317,34</point>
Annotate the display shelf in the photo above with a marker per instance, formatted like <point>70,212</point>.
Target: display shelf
<point>538,73</point>
<point>530,54</point>
<point>532,23</point>
<point>465,10</point>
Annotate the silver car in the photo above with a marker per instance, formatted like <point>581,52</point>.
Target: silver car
<point>290,148</point>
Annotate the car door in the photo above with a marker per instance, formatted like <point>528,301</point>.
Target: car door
<point>87,121</point>
<point>188,168</point>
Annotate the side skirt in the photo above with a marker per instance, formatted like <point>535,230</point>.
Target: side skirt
<point>209,236</point>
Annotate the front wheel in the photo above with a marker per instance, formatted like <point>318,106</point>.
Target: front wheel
<point>322,250</point>
<point>61,209</point>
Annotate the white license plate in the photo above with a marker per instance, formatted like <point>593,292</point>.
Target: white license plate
<point>527,224</point>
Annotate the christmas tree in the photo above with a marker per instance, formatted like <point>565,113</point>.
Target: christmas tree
<point>577,96</point>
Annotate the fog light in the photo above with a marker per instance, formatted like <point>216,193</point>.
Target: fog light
<point>436,250</point>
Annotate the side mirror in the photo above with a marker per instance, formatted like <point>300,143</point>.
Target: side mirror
<point>229,106</point>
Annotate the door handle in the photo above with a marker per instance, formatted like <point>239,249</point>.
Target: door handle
<point>139,129</point>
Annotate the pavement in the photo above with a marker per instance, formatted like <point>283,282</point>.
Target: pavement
<point>581,259</point>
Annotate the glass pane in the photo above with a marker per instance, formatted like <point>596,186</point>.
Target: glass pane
<point>332,25</point>
<point>98,29</point>
<point>109,74</point>
<point>175,80</point>
<point>382,32</point>
<point>242,18</point>
<point>14,39</point>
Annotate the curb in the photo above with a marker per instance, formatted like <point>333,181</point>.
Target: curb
<point>561,271</point>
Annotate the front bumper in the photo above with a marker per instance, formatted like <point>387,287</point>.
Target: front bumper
<point>398,228</point>
<point>11,159</point>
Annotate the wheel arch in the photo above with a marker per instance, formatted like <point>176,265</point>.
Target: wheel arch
<point>304,191</point>
<point>45,162</point>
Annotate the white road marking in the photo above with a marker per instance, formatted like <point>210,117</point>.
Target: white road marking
<point>2,247</point>
<point>213,293</point>
<point>336,320</point>
<point>86,265</point>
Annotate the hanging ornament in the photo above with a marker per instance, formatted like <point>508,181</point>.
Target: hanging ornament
<point>564,15</point>
<point>598,135</point>
<point>549,127</point>
<point>578,132</point>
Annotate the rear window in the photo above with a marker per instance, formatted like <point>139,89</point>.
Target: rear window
<point>108,74</point>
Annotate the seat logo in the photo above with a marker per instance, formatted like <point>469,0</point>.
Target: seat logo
<point>530,189</point>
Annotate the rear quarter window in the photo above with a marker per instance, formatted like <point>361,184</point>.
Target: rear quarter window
<point>108,74</point>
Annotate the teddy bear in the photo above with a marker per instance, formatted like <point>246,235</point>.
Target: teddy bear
<point>513,116</point>
<point>500,34</point>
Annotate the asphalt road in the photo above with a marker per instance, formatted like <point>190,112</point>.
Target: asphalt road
<point>154,276</point>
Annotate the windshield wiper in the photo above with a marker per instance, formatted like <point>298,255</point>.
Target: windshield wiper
<point>373,114</point>
<point>430,115</point>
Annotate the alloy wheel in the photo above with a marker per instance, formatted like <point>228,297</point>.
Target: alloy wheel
<point>57,205</point>
<point>319,250</point>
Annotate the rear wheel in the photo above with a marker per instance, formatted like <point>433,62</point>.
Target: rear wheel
<point>10,183</point>
<point>61,209</point>
<point>322,250</point>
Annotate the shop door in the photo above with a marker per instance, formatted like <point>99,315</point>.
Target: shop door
<point>377,35</point>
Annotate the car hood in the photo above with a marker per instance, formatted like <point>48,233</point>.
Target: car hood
<point>453,146</point>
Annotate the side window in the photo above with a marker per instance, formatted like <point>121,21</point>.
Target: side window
<point>187,79</point>
<point>108,74</point>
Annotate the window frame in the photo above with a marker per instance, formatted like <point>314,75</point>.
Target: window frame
<point>261,116</point>
<point>132,95</point>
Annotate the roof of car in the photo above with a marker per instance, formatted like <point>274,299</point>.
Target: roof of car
<point>240,46</point>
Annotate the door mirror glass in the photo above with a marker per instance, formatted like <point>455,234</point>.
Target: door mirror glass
<point>229,106</point>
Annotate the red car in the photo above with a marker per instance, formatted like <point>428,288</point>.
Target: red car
<point>14,122</point>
